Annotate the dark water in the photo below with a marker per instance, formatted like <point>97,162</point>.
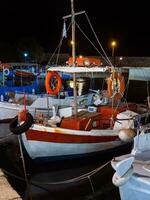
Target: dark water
<point>50,180</point>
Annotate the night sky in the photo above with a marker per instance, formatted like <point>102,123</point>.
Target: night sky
<point>127,24</point>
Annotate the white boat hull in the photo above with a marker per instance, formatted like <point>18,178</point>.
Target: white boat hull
<point>10,110</point>
<point>58,143</point>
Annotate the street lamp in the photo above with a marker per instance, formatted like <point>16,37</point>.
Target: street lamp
<point>113,45</point>
<point>25,56</point>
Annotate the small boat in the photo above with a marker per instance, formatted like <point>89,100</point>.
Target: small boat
<point>85,133</point>
<point>24,74</point>
<point>132,171</point>
<point>82,61</point>
<point>102,127</point>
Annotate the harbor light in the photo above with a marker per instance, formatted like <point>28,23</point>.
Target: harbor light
<point>72,42</point>
<point>25,54</point>
<point>113,45</point>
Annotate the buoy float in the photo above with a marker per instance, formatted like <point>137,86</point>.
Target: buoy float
<point>116,86</point>
<point>126,135</point>
<point>48,86</point>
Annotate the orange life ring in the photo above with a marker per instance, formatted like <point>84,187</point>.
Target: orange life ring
<point>48,78</point>
<point>116,86</point>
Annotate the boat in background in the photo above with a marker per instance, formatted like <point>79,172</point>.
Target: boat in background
<point>22,74</point>
<point>12,98</point>
<point>8,70</point>
<point>82,61</point>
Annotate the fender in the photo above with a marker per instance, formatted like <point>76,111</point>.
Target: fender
<point>17,129</point>
<point>119,181</point>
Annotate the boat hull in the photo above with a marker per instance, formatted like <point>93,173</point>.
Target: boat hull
<point>57,144</point>
<point>136,189</point>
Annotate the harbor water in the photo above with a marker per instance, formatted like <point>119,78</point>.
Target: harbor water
<point>89,178</point>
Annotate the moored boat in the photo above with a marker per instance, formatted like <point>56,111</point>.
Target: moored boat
<point>132,170</point>
<point>86,132</point>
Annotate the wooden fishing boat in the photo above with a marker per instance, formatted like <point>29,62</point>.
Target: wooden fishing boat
<point>25,74</point>
<point>86,132</point>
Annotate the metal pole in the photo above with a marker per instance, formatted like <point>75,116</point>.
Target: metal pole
<point>73,56</point>
<point>113,55</point>
<point>3,77</point>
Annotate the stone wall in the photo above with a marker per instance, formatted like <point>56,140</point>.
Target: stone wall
<point>132,61</point>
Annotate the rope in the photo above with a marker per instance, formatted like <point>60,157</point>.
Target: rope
<point>145,167</point>
<point>90,41</point>
<point>79,178</point>
<point>3,138</point>
<point>91,184</point>
<point>58,47</point>
<point>98,39</point>
<point>24,167</point>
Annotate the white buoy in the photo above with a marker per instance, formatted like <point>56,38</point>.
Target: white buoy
<point>126,135</point>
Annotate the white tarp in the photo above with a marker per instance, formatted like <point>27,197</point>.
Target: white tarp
<point>78,69</point>
<point>141,74</point>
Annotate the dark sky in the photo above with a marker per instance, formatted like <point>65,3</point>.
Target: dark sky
<point>110,19</point>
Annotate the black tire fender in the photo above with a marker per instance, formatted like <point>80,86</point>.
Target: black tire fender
<point>17,129</point>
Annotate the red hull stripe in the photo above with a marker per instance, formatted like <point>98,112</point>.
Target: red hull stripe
<point>66,138</point>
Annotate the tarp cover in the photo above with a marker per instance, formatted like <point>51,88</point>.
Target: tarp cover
<point>141,74</point>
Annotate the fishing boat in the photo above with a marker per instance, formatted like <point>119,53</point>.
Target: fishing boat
<point>25,74</point>
<point>102,127</point>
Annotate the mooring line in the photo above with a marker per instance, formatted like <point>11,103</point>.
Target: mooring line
<point>79,178</point>
<point>3,138</point>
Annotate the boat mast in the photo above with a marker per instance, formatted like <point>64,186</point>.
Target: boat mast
<point>73,14</point>
<point>73,56</point>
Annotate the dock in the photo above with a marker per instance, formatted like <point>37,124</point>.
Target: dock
<point>7,192</point>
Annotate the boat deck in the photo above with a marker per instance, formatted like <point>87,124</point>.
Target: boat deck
<point>141,165</point>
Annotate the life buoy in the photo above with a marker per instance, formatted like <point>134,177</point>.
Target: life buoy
<point>17,129</point>
<point>115,86</point>
<point>119,181</point>
<point>6,71</point>
<point>48,84</point>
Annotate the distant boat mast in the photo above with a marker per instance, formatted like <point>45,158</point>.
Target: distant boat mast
<point>73,14</point>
